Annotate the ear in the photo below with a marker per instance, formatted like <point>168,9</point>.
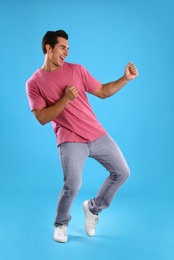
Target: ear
<point>48,48</point>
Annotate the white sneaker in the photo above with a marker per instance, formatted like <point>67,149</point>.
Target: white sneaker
<point>90,221</point>
<point>60,234</point>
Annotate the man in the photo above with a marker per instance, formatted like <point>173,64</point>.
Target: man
<point>57,94</point>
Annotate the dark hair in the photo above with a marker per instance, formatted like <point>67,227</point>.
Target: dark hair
<point>51,38</point>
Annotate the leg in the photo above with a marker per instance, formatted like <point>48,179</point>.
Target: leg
<point>73,156</point>
<point>107,152</point>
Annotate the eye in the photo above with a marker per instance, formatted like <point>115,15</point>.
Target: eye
<point>62,47</point>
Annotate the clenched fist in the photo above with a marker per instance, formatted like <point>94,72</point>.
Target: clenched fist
<point>71,92</point>
<point>131,71</point>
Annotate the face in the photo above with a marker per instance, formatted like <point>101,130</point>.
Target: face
<point>57,55</point>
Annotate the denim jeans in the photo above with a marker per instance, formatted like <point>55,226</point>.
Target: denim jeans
<point>73,156</point>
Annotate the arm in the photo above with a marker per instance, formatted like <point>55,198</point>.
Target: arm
<point>109,89</point>
<point>46,114</point>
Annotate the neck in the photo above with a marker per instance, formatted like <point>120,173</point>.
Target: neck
<point>48,65</point>
<point>48,68</point>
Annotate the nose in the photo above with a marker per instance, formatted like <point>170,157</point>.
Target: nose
<point>66,52</point>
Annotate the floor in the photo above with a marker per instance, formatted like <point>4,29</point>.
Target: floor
<point>134,227</point>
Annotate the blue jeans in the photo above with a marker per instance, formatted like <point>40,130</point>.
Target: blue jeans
<point>73,156</point>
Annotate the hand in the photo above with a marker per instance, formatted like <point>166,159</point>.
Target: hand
<point>131,71</point>
<point>71,92</point>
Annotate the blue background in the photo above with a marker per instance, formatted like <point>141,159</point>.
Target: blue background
<point>103,36</point>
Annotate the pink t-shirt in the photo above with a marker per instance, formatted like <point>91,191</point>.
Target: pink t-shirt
<point>77,122</point>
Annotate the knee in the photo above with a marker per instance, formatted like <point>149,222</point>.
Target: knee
<point>126,172</point>
<point>75,188</point>
<point>122,175</point>
<point>71,190</point>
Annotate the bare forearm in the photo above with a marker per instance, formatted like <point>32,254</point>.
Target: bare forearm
<point>111,88</point>
<point>48,114</point>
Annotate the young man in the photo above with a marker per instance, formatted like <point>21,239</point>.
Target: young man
<point>57,94</point>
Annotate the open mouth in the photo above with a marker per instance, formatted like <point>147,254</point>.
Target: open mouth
<point>62,58</point>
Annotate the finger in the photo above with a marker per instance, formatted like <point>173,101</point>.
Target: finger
<point>133,69</point>
<point>75,91</point>
<point>70,87</point>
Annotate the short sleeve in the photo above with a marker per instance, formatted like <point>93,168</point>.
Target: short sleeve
<point>90,83</point>
<point>35,98</point>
